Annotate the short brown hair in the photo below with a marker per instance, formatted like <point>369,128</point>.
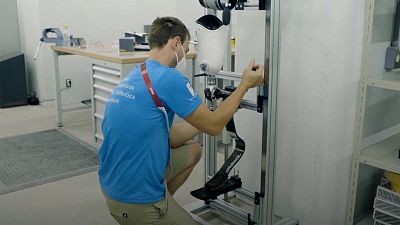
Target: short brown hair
<point>165,28</point>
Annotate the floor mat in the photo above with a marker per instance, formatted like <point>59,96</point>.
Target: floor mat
<point>42,157</point>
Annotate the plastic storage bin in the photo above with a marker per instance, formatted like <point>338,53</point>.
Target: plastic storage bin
<point>394,179</point>
<point>377,222</point>
<point>387,207</point>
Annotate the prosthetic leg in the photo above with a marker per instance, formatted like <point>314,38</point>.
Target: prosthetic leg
<point>220,184</point>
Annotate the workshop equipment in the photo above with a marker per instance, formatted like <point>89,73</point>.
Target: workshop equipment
<point>140,38</point>
<point>392,59</point>
<point>213,53</point>
<point>58,39</point>
<point>211,48</point>
<point>225,5</point>
<point>140,42</point>
<point>126,44</point>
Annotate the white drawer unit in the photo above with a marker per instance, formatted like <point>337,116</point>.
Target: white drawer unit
<point>105,78</point>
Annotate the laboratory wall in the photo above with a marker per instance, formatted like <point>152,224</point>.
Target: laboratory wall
<point>29,28</point>
<point>9,33</point>
<point>319,70</point>
<point>99,22</point>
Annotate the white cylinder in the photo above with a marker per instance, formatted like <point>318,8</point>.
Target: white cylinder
<point>211,48</point>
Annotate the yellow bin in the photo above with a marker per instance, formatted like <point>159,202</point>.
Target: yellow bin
<point>394,179</point>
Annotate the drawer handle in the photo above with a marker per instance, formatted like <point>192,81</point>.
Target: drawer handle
<point>97,86</point>
<point>108,80</point>
<point>108,71</point>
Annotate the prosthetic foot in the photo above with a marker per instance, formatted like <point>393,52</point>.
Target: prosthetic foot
<point>228,185</point>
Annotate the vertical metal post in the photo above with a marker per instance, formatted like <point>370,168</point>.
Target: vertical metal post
<point>362,96</point>
<point>210,146</point>
<point>270,109</point>
<point>57,89</point>
<point>226,139</point>
<point>211,154</point>
<point>210,142</point>
<point>226,156</point>
<point>194,71</point>
<point>92,81</point>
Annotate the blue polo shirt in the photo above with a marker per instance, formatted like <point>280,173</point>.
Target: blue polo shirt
<point>135,152</point>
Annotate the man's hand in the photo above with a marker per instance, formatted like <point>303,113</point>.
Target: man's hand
<point>253,75</point>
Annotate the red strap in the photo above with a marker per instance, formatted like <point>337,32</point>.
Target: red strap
<point>150,87</point>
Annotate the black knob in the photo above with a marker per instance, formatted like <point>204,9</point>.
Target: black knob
<point>226,16</point>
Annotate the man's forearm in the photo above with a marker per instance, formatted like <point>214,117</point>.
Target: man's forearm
<point>228,108</point>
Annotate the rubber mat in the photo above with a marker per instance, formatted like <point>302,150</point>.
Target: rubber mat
<point>42,157</point>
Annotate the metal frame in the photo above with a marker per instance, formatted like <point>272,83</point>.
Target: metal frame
<point>269,118</point>
<point>263,201</point>
<point>365,83</point>
<point>58,90</point>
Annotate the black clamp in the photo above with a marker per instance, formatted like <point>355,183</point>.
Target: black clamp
<point>257,197</point>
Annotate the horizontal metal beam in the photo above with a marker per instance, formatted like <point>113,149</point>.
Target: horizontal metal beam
<point>246,104</point>
<point>239,216</point>
<point>222,208</point>
<point>245,193</point>
<point>197,207</point>
<point>199,220</point>
<point>227,75</point>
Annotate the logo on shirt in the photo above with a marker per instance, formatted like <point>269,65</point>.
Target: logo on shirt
<point>189,87</point>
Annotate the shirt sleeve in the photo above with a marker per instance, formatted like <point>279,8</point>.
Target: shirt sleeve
<point>177,93</point>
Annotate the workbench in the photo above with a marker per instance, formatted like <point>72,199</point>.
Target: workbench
<point>108,68</point>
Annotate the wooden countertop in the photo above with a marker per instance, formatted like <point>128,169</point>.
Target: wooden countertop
<point>111,54</point>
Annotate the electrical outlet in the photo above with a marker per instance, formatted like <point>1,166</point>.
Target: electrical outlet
<point>68,83</point>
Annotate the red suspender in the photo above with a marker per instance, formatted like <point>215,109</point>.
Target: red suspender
<point>153,93</point>
<point>150,86</point>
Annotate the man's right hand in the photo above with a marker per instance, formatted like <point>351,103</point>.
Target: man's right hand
<point>214,122</point>
<point>253,75</point>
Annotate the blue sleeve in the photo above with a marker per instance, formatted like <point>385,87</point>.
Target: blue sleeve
<point>177,93</point>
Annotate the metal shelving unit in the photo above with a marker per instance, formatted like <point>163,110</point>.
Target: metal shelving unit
<point>391,85</point>
<point>382,152</point>
<point>383,155</point>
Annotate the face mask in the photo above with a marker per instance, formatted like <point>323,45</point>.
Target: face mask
<point>181,65</point>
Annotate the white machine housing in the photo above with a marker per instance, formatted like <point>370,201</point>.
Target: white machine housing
<point>211,48</point>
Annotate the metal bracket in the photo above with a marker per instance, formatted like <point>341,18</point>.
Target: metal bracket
<point>257,197</point>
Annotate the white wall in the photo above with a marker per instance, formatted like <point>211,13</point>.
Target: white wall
<point>9,34</point>
<point>29,27</point>
<point>320,66</point>
<point>250,42</point>
<point>103,21</point>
